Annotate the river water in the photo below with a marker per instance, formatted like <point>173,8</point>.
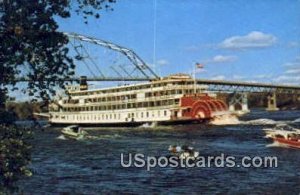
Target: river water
<point>92,166</point>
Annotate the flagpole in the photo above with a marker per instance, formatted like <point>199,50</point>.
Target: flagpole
<point>194,78</point>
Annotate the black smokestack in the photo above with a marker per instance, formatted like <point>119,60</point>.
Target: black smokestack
<point>83,83</point>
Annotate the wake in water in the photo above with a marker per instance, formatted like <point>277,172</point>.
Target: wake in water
<point>91,137</point>
<point>225,120</point>
<point>297,120</point>
<point>61,137</point>
<point>276,144</point>
<point>148,125</point>
<point>233,120</point>
<point>263,121</point>
<point>113,136</point>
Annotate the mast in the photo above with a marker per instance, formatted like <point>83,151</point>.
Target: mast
<point>194,76</point>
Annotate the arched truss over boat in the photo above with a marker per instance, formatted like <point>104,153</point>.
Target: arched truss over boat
<point>135,68</point>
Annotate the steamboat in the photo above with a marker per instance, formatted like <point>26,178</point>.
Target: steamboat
<point>174,99</point>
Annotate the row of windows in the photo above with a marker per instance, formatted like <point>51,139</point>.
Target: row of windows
<point>91,117</point>
<point>147,114</point>
<point>103,99</point>
<point>123,106</point>
<point>113,90</point>
<point>114,116</point>
<point>112,98</point>
<point>171,92</point>
<point>132,88</point>
<point>134,96</point>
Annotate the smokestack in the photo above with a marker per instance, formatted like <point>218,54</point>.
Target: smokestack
<point>83,83</point>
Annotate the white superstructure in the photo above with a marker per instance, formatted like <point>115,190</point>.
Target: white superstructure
<point>169,99</point>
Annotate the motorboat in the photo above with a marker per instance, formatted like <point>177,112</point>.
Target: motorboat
<point>183,152</point>
<point>74,131</point>
<point>284,134</point>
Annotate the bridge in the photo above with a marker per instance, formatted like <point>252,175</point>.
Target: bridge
<point>138,70</point>
<point>214,85</point>
<point>237,86</point>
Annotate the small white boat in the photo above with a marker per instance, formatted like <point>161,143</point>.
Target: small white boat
<point>74,131</point>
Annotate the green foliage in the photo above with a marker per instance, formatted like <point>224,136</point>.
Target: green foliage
<point>15,155</point>
<point>87,8</point>
<point>31,45</point>
<point>7,118</point>
<point>29,41</point>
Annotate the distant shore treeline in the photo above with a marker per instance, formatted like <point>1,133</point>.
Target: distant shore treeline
<point>25,110</point>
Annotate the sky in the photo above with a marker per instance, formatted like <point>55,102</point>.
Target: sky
<point>255,41</point>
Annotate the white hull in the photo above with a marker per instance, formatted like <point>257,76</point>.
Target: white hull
<point>120,116</point>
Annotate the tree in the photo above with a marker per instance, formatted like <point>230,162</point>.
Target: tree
<point>14,155</point>
<point>30,43</point>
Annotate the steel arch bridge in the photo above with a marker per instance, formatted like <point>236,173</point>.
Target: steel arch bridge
<point>140,71</point>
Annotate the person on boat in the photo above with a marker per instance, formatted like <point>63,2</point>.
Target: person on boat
<point>175,149</point>
<point>183,151</point>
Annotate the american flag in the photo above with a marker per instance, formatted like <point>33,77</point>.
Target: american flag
<point>198,65</point>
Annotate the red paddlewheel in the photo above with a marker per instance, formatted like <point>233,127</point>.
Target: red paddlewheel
<point>201,109</point>
<point>201,106</point>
